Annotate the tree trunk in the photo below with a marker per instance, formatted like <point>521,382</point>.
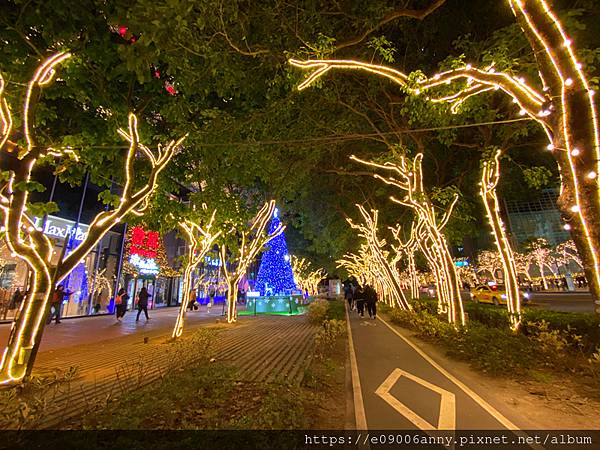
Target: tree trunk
<point>541,269</point>
<point>511,281</point>
<point>412,273</point>
<point>455,311</point>
<point>573,127</point>
<point>185,299</point>
<point>232,287</point>
<point>392,277</point>
<point>27,329</point>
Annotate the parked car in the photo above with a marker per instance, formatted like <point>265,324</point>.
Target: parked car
<point>494,294</point>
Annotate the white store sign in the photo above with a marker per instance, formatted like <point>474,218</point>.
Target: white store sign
<point>146,266</point>
<point>58,227</point>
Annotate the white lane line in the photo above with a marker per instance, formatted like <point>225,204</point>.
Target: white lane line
<point>480,401</point>
<point>447,410</point>
<point>359,407</point>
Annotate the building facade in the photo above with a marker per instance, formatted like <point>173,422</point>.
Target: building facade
<point>537,218</point>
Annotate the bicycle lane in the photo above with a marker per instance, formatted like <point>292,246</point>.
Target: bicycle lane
<point>402,388</point>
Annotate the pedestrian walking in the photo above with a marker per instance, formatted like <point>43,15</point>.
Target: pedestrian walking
<point>121,303</point>
<point>192,300</point>
<point>56,303</point>
<point>348,293</point>
<point>371,300</point>
<point>211,295</point>
<point>359,299</point>
<point>16,299</point>
<point>142,303</point>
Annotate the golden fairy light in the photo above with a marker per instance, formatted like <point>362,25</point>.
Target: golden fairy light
<point>540,255</point>
<point>30,244</point>
<point>408,249</point>
<point>305,277</point>
<point>408,177</point>
<point>489,182</point>
<point>564,108</point>
<point>368,231</point>
<point>251,242</point>
<point>199,241</point>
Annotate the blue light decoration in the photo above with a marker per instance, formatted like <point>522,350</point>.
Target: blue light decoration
<point>78,284</point>
<point>275,274</point>
<point>461,262</point>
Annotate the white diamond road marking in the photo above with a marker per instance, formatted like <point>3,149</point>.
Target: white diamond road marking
<point>447,412</point>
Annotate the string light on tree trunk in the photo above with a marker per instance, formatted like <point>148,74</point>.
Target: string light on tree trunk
<point>409,178</point>
<point>200,241</point>
<point>570,122</point>
<point>489,182</point>
<point>408,249</point>
<point>29,243</point>
<point>252,241</point>
<point>368,231</point>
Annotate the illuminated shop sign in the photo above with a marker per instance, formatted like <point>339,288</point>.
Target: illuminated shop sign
<point>57,227</point>
<point>145,266</point>
<point>144,243</point>
<point>143,250</point>
<point>214,262</point>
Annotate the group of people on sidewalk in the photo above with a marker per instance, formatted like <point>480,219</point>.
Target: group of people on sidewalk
<point>359,297</point>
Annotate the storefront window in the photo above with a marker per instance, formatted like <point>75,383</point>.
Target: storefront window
<point>146,264</point>
<point>89,286</point>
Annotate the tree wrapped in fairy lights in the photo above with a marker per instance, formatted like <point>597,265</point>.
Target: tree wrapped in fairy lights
<point>540,255</point>
<point>522,264</point>
<point>565,253</point>
<point>306,277</point>
<point>408,177</point>
<point>561,101</point>
<point>490,176</point>
<point>368,231</point>
<point>488,263</point>
<point>408,250</point>
<point>236,258</point>
<point>200,240</point>
<point>467,274</point>
<point>29,243</point>
<point>358,265</point>
<point>364,268</point>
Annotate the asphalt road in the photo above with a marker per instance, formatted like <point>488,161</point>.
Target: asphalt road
<point>564,301</point>
<point>402,388</point>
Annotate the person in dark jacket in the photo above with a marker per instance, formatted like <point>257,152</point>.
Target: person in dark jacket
<point>143,297</point>
<point>56,303</point>
<point>359,300</point>
<point>121,303</point>
<point>16,299</point>
<point>371,300</point>
<point>348,293</point>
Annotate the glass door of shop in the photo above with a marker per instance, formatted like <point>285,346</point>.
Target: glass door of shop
<point>133,288</point>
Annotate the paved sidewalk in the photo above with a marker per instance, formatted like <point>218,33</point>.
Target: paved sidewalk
<point>93,329</point>
<point>112,358</point>
<point>403,388</point>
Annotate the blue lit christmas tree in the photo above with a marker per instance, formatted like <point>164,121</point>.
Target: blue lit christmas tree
<point>275,274</point>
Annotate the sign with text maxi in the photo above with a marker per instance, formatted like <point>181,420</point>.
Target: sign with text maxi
<point>58,227</point>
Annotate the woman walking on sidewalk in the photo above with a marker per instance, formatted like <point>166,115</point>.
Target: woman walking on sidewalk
<point>121,303</point>
<point>143,303</point>
<point>56,304</point>
<point>371,300</point>
<point>359,299</point>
